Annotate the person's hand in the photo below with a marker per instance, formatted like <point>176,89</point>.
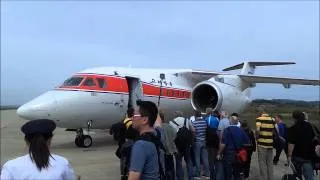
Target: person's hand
<point>317,150</point>
<point>289,161</point>
<point>219,157</point>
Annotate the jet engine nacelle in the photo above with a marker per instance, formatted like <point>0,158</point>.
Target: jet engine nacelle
<point>219,96</point>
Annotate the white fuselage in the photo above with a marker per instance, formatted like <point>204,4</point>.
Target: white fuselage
<point>105,102</point>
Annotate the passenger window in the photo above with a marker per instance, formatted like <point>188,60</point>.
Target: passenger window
<point>73,81</point>
<point>89,82</point>
<point>101,82</point>
<point>176,94</point>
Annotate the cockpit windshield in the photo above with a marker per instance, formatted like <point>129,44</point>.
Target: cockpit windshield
<point>73,81</point>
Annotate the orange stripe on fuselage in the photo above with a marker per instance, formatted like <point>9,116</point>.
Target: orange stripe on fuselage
<point>115,84</point>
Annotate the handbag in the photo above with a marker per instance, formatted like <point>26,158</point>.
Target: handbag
<point>289,176</point>
<point>241,153</point>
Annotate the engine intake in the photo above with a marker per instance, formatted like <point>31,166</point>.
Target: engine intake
<point>206,95</point>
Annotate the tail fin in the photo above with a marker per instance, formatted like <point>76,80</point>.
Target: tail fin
<point>249,67</point>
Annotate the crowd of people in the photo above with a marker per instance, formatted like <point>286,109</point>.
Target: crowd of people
<point>213,146</point>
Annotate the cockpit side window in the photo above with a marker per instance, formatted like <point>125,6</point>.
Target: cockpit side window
<point>101,82</point>
<point>73,81</point>
<point>89,82</point>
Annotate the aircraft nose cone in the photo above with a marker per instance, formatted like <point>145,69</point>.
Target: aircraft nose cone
<point>24,112</point>
<point>42,107</point>
<point>32,112</point>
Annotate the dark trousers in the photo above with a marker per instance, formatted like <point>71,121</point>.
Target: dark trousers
<point>179,168</point>
<point>169,164</point>
<point>212,154</point>
<point>279,147</point>
<point>231,167</point>
<point>246,165</point>
<point>192,156</point>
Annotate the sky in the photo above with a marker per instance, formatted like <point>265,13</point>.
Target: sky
<point>43,43</point>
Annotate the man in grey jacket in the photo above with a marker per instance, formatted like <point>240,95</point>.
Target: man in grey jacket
<point>169,134</point>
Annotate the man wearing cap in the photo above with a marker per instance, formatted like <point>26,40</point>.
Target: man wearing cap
<point>39,163</point>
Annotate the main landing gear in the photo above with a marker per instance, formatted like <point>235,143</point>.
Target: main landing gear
<point>83,139</point>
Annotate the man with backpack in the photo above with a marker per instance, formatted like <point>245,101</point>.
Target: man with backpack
<point>145,163</point>
<point>233,143</point>
<point>212,139</point>
<point>301,153</point>
<point>183,142</point>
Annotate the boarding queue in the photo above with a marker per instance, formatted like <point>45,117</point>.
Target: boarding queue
<point>214,145</point>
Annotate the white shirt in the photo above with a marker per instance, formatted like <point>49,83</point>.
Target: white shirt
<point>192,118</point>
<point>239,124</point>
<point>23,168</point>
<point>180,122</point>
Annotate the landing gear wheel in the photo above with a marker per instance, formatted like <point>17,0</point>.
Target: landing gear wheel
<point>77,141</point>
<point>86,141</point>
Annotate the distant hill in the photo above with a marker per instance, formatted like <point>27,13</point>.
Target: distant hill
<point>297,103</point>
<point>7,107</point>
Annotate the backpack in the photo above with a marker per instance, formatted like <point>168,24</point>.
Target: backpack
<point>316,141</point>
<point>156,140</point>
<point>241,152</point>
<point>183,138</point>
<point>212,138</point>
<point>125,156</point>
<point>289,177</point>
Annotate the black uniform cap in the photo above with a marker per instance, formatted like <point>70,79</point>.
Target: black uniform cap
<point>39,126</point>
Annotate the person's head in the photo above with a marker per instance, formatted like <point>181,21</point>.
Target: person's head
<point>234,118</point>
<point>145,115</point>
<point>298,116</point>
<point>306,117</point>
<point>161,115</point>
<point>197,113</point>
<point>216,113</point>
<point>244,125</point>
<point>130,112</point>
<point>261,110</point>
<point>278,118</point>
<point>208,111</point>
<point>38,135</point>
<point>224,114</point>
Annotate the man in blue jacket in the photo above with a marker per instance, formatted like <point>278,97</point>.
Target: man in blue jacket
<point>280,140</point>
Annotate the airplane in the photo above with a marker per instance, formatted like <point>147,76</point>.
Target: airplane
<point>96,98</point>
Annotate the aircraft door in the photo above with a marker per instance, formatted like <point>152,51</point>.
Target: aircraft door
<point>135,91</point>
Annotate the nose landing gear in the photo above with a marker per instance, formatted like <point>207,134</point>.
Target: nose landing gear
<point>83,139</point>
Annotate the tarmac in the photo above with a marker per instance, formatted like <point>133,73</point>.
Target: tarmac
<point>95,163</point>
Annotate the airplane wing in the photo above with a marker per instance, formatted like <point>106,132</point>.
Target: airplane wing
<point>278,80</point>
<point>198,75</point>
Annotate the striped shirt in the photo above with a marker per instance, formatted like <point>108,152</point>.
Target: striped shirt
<point>200,126</point>
<point>266,125</point>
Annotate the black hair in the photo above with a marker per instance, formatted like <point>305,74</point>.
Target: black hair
<point>235,114</point>
<point>38,149</point>
<point>197,113</point>
<point>148,109</point>
<point>130,112</point>
<point>216,113</point>
<point>298,116</point>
